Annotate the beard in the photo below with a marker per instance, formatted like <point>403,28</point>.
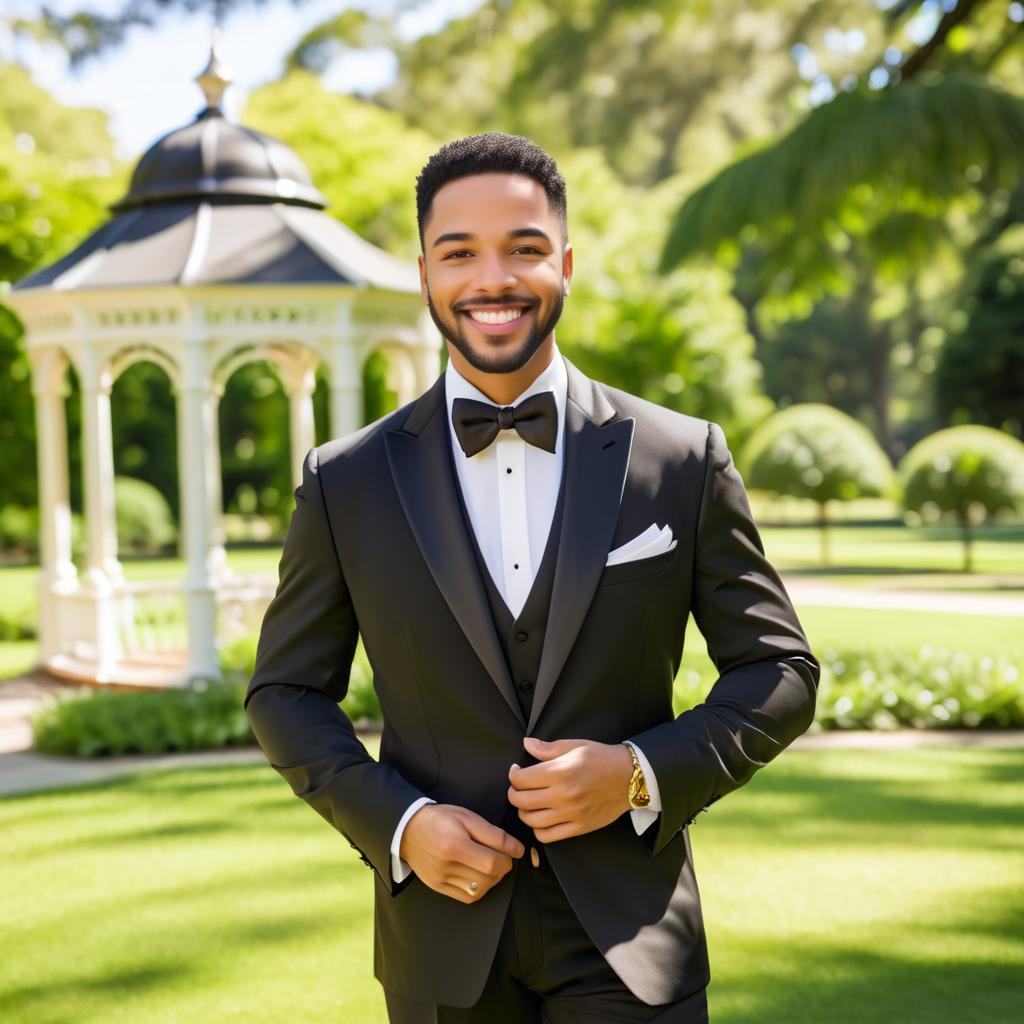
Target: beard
<point>502,362</point>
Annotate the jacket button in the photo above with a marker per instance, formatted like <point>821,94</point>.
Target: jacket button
<point>521,636</point>
<point>526,686</point>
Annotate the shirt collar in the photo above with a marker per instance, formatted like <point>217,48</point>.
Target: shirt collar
<point>554,378</point>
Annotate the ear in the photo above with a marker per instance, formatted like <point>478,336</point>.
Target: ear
<point>566,268</point>
<point>424,293</point>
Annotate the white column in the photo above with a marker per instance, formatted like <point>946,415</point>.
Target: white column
<point>98,622</point>
<point>402,377</point>
<point>103,571</point>
<point>301,383</point>
<point>57,575</point>
<point>199,476</point>
<point>427,353</point>
<point>346,378</point>
<point>218,559</point>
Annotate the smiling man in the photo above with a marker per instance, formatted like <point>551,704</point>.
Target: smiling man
<point>520,549</point>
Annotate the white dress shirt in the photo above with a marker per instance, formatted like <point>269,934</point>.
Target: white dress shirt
<point>511,514</point>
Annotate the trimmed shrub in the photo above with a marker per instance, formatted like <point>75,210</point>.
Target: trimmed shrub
<point>971,472</point>
<point>817,452</point>
<point>145,524</point>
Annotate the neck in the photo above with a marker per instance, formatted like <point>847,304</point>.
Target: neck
<point>504,388</point>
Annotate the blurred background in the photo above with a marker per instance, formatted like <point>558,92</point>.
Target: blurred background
<point>802,220</point>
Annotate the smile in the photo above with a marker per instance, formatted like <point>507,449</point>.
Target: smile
<point>493,321</point>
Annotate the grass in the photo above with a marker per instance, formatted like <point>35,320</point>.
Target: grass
<point>837,886</point>
<point>886,550</point>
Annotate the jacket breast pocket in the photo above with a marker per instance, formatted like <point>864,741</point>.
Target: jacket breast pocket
<point>638,568</point>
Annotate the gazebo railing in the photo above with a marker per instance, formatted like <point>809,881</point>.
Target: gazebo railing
<point>152,617</point>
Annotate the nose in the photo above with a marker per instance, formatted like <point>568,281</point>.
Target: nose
<point>494,275</point>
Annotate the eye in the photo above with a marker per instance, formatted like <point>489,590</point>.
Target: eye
<point>530,248</point>
<point>457,252</point>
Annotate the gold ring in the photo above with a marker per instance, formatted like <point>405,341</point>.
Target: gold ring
<point>473,886</point>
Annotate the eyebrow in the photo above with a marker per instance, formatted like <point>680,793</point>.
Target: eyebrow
<point>465,236</point>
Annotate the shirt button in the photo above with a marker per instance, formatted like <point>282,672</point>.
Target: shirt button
<point>526,686</point>
<point>521,636</point>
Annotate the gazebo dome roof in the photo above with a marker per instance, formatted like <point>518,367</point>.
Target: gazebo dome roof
<point>215,158</point>
<point>214,202</point>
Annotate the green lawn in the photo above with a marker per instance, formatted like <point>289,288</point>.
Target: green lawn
<point>840,887</point>
<point>885,550</point>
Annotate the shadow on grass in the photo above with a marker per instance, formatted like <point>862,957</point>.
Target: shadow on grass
<point>824,806</point>
<point>843,985</point>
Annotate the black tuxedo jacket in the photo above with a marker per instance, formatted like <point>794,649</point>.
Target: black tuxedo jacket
<point>377,546</point>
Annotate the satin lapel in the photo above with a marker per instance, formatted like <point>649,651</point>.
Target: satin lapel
<point>426,487</point>
<point>596,459</point>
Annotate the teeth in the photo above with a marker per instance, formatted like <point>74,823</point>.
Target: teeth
<point>495,317</point>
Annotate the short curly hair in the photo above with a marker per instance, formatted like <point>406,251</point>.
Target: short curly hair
<point>489,153</point>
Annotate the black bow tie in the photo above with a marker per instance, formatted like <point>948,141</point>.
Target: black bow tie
<point>535,419</point>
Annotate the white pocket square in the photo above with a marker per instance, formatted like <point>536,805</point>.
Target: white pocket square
<point>653,541</point>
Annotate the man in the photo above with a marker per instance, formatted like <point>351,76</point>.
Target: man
<point>520,548</point>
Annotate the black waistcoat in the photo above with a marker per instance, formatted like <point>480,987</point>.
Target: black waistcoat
<point>522,636</point>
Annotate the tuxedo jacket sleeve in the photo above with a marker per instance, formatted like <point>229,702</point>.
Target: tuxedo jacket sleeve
<point>765,694</point>
<point>303,660</point>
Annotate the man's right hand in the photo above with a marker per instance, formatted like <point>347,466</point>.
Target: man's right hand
<point>449,847</point>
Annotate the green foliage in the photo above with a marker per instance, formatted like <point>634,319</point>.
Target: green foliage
<point>58,173</point>
<point>238,660</point>
<point>970,472</point>
<point>855,163</point>
<point>104,723</point>
<point>817,452</point>
<point>890,688</point>
<point>679,340</point>
<point>362,158</point>
<point>144,521</point>
<point>144,421</point>
<point>980,372</point>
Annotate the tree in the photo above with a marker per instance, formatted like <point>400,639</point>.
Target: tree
<point>58,173</point>
<point>816,452</point>
<point>971,472</point>
<point>980,373</point>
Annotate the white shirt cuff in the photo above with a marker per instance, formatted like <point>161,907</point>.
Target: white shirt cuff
<point>644,817</point>
<point>400,869</point>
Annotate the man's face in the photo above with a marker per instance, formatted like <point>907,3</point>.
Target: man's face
<point>494,270</point>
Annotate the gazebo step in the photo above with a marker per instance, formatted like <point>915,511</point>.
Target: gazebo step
<point>161,670</point>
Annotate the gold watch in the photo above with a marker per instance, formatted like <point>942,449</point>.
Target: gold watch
<point>638,795</point>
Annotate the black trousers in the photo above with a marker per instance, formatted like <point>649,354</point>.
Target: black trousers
<point>547,971</point>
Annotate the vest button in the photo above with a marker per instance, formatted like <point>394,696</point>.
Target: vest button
<point>521,636</point>
<point>526,686</point>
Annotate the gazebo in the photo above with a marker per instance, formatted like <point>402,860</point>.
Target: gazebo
<point>219,254</point>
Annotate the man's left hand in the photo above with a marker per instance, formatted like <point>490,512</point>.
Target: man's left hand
<point>578,786</point>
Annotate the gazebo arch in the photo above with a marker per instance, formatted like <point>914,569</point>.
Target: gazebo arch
<point>220,250</point>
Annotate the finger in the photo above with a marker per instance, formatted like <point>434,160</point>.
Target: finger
<point>481,862</point>
<point>546,818</point>
<point>493,837</point>
<point>457,892</point>
<point>536,776</point>
<point>464,883</point>
<point>531,799</point>
<point>556,832</point>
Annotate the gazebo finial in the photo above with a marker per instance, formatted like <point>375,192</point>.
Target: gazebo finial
<point>215,77</point>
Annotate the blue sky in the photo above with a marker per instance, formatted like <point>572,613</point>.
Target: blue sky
<point>147,85</point>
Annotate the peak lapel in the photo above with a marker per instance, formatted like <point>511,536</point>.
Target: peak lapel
<point>596,458</point>
<point>420,465</point>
